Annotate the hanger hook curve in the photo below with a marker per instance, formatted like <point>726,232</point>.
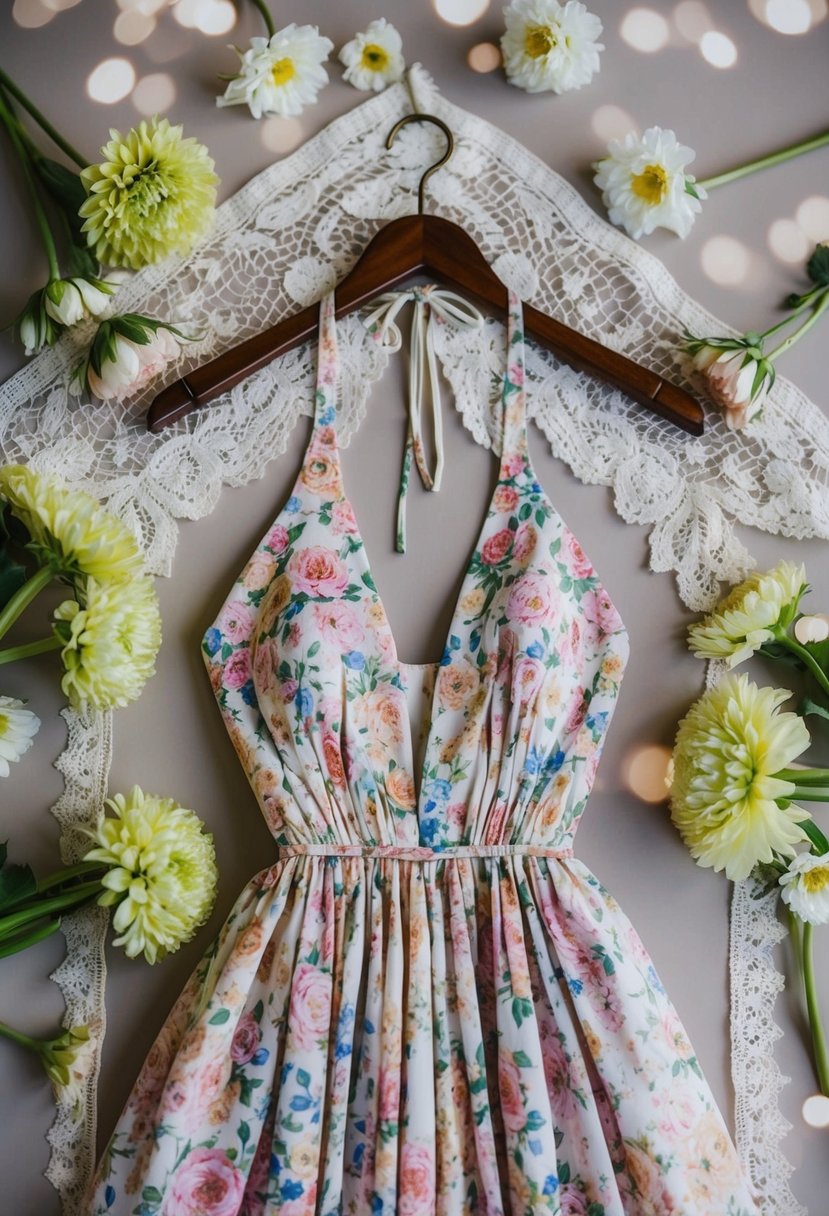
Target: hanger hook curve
<point>450,148</point>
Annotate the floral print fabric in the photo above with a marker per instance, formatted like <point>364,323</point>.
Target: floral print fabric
<point>425,1004</point>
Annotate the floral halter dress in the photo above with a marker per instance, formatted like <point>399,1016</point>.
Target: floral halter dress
<point>424,1004</point>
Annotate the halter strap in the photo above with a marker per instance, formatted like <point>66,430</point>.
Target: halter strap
<point>431,305</point>
<point>513,397</point>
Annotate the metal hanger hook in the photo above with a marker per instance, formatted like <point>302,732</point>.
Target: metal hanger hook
<point>450,148</point>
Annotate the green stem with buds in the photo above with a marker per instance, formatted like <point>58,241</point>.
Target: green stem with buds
<point>817,311</point>
<point>36,909</point>
<point>40,215</point>
<point>16,944</point>
<point>23,1040</point>
<point>28,650</point>
<point>806,657</point>
<point>765,162</point>
<point>42,121</point>
<point>266,17</point>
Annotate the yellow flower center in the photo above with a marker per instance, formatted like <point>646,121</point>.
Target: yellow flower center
<point>539,40</point>
<point>4,722</point>
<point>816,880</point>
<point>374,57</point>
<point>283,71</point>
<point>651,184</point>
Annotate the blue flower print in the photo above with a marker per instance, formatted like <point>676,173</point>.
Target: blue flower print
<point>304,702</point>
<point>248,693</point>
<point>293,504</point>
<point>291,1189</point>
<point>439,790</point>
<point>550,1185</point>
<point>535,650</point>
<point>327,416</point>
<point>355,659</point>
<point>653,979</point>
<point>533,762</point>
<point>212,640</point>
<point>554,762</point>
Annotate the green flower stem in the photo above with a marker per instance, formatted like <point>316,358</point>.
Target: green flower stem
<point>23,1040</point>
<point>805,776</point>
<point>24,596</point>
<point>40,215</point>
<point>807,301</point>
<point>12,653</point>
<point>765,162</point>
<point>266,16</point>
<point>806,657</point>
<point>34,910</point>
<point>42,120</point>
<point>67,873</point>
<point>820,844</point>
<point>815,1023</point>
<point>817,311</point>
<point>38,934</point>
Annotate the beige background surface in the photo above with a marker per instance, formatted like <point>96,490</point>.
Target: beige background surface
<point>172,740</point>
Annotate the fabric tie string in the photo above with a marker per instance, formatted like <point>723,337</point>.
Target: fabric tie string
<point>430,304</point>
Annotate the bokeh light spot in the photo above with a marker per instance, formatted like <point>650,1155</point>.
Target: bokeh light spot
<point>132,27</point>
<point>692,19</point>
<point>460,12</point>
<point>154,94</point>
<point>32,14</point>
<point>813,217</point>
<point>186,12</point>
<point>789,16</point>
<point>111,81</point>
<point>788,241</point>
<point>216,18</point>
<point>612,122</point>
<point>485,57</point>
<point>60,6</point>
<point>717,49</point>
<point>811,629</point>
<point>645,30</point>
<point>148,7</point>
<point>725,260</point>
<point>646,773</point>
<point>281,134</point>
<point>816,1111</point>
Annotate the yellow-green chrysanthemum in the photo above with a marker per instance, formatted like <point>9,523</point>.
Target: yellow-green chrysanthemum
<point>162,872</point>
<point>153,194</point>
<point>749,615</point>
<point>69,527</point>
<point>726,795</point>
<point>110,644</point>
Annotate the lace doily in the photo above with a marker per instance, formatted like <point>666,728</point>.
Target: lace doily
<point>278,244</point>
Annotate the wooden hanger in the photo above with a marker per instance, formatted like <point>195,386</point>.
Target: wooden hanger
<point>407,246</point>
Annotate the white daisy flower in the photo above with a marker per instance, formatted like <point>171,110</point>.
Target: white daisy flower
<point>644,184</point>
<point>280,75</point>
<point>550,46</point>
<point>805,887</point>
<point>18,727</point>
<point>374,59</point>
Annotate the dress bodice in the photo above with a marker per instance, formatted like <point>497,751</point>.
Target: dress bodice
<point>306,671</point>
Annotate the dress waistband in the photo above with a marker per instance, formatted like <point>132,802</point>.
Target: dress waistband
<point>420,853</point>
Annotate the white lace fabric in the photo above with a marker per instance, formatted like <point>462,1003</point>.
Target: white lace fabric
<point>277,245</point>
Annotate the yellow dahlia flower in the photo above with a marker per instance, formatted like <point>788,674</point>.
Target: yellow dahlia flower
<point>750,615</point>
<point>162,872</point>
<point>69,527</point>
<point>154,194</point>
<point>727,801</point>
<point>110,644</point>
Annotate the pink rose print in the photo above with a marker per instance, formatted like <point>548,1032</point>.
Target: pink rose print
<point>338,624</point>
<point>496,547</point>
<point>417,1181</point>
<point>513,464</point>
<point>389,1088</point>
<point>207,1183</point>
<point>574,557</point>
<point>343,522</point>
<point>525,541</point>
<point>527,675</point>
<point>509,1088</point>
<point>601,613</point>
<point>505,499</point>
<point>237,668</point>
<point>578,712</point>
<point>531,601</point>
<point>246,1040</point>
<point>573,1201</point>
<point>236,621</point>
<point>278,539</point>
<point>288,690</point>
<point>310,1013</point>
<point>319,572</point>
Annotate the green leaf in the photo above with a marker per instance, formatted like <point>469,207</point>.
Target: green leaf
<point>220,1017</point>
<point>16,883</point>
<point>66,188</point>
<point>522,1059</point>
<point>809,707</point>
<point>12,574</point>
<point>243,1132</point>
<point>4,852</point>
<point>817,268</point>
<point>313,649</point>
<point>525,511</point>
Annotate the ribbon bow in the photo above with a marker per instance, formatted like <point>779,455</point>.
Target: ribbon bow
<point>430,304</point>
